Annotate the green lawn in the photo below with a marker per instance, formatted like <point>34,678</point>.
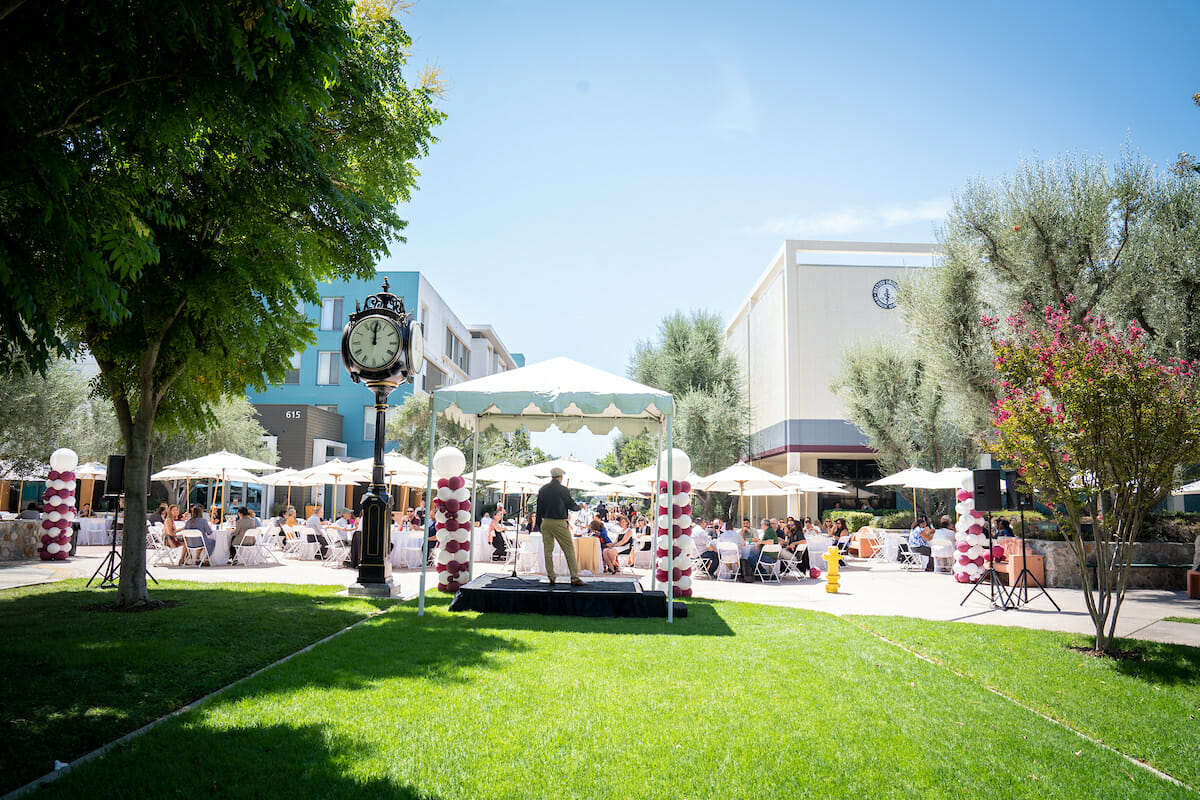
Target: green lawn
<point>1149,709</point>
<point>736,700</point>
<point>74,679</point>
<point>1193,620</point>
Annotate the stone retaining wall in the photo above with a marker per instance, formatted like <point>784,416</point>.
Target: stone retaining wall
<point>19,539</point>
<point>1062,569</point>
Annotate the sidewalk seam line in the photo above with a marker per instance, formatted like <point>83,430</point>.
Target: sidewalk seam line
<point>50,777</point>
<point>1153,770</point>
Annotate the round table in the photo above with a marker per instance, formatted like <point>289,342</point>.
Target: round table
<point>95,530</point>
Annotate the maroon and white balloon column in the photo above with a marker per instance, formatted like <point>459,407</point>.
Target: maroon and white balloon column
<point>452,513</point>
<point>675,527</point>
<point>970,542</point>
<point>58,506</point>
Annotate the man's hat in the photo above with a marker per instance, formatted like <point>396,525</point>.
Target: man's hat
<point>557,472</point>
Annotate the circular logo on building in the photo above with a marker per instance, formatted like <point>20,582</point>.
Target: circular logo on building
<point>884,293</point>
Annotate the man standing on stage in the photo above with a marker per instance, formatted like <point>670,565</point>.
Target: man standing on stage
<point>553,503</point>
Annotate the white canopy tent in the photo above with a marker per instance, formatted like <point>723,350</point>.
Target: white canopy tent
<point>559,392</point>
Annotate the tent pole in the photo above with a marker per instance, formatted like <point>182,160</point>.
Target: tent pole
<point>670,525</point>
<point>655,505</point>
<point>475,504</point>
<point>428,508</point>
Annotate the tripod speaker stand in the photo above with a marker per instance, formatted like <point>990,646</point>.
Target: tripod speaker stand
<point>111,565</point>
<point>999,598</point>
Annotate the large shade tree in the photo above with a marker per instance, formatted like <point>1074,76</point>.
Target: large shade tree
<point>1122,240</point>
<point>203,166</point>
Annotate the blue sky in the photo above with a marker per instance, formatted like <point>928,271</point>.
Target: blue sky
<point>605,164</point>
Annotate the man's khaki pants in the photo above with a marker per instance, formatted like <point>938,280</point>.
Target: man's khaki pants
<point>557,530</point>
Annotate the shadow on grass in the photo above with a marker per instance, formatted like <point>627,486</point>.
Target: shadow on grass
<point>1161,663</point>
<point>254,762</point>
<point>113,672</point>
<point>702,620</point>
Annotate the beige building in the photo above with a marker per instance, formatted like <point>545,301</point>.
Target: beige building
<point>813,299</point>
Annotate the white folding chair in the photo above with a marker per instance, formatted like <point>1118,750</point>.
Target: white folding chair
<point>913,562</point>
<point>767,566</point>
<point>731,561</point>
<point>337,550</point>
<point>196,549</point>
<point>818,546</point>
<point>790,568</point>
<point>529,557</point>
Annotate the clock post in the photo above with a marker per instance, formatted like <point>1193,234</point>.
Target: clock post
<point>381,347</point>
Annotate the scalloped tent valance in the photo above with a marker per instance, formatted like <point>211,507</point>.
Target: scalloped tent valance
<point>559,392</point>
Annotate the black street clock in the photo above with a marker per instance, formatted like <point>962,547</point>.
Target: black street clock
<point>382,345</point>
<point>381,342</point>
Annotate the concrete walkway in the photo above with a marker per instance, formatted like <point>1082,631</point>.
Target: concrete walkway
<point>868,588</point>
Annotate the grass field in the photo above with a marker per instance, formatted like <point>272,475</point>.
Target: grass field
<point>736,700</point>
<point>74,678</point>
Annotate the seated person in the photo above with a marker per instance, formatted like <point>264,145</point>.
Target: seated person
<point>712,557</point>
<point>841,533</point>
<point>346,521</point>
<point>172,537</point>
<point>30,512</point>
<point>918,541</point>
<point>790,542</point>
<point>198,523</point>
<point>316,531</point>
<point>607,552</point>
<point>86,511</point>
<point>245,523</point>
<point>624,542</point>
<point>1003,528</point>
<point>157,517</point>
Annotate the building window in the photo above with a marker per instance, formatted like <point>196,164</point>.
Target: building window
<point>293,375</point>
<point>369,423</point>
<point>433,378</point>
<point>329,368</point>
<point>458,352</point>
<point>331,409</point>
<point>331,314</point>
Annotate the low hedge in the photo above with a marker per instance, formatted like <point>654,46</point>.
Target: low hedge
<point>854,519</point>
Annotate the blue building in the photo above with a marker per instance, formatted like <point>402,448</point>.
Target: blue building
<point>318,413</point>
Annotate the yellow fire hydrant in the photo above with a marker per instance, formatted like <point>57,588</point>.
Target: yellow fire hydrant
<point>832,556</point>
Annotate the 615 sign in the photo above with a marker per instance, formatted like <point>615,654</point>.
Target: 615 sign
<point>291,414</point>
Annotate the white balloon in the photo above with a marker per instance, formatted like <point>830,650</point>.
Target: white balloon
<point>663,563</point>
<point>54,516</point>
<point>664,521</point>
<point>974,552</point>
<point>463,517</point>
<point>69,516</point>
<point>664,540</point>
<point>462,556</point>
<point>682,562</point>
<point>444,493</point>
<point>52,548</point>
<point>462,494</point>
<point>448,462</point>
<point>56,500</point>
<point>684,582</point>
<point>685,521</point>
<point>443,557</point>
<point>681,499</point>
<point>64,459</point>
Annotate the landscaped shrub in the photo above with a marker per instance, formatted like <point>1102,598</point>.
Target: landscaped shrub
<point>854,519</point>
<point>895,520</point>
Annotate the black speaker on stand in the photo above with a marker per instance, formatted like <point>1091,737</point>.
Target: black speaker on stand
<point>1019,591</point>
<point>114,486</point>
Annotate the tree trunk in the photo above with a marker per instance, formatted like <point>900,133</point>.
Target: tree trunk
<point>132,590</point>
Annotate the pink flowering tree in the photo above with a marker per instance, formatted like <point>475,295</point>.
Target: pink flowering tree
<point>1099,428</point>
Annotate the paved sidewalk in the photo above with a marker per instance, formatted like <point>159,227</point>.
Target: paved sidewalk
<point>868,588</point>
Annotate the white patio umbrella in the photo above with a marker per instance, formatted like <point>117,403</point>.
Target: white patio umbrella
<point>288,478</point>
<point>336,471</point>
<point>614,490</point>
<point>218,464</point>
<point>643,479</point>
<point>573,469</point>
<point>903,478</point>
<point>7,473</point>
<point>803,482</point>
<point>1188,488</point>
<point>740,478</point>
<point>949,478</point>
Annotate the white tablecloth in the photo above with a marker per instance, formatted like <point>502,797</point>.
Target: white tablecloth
<point>219,556</point>
<point>95,530</point>
<point>406,548</point>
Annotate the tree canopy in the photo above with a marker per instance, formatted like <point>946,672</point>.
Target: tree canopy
<point>188,173</point>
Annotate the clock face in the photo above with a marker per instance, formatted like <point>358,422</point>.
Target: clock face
<point>884,293</point>
<point>416,349</point>
<point>374,342</point>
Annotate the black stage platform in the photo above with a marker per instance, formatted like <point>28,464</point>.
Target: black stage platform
<point>610,597</point>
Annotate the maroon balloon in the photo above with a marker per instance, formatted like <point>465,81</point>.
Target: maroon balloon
<point>676,591</point>
<point>660,552</point>
<point>661,575</point>
<point>676,551</point>
<point>675,488</point>
<point>451,506</point>
<point>962,547</point>
<point>687,509</point>
<point>66,476</point>
<point>685,487</point>
<point>676,574</point>
<point>61,555</point>
<point>455,483</point>
<point>451,525</point>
